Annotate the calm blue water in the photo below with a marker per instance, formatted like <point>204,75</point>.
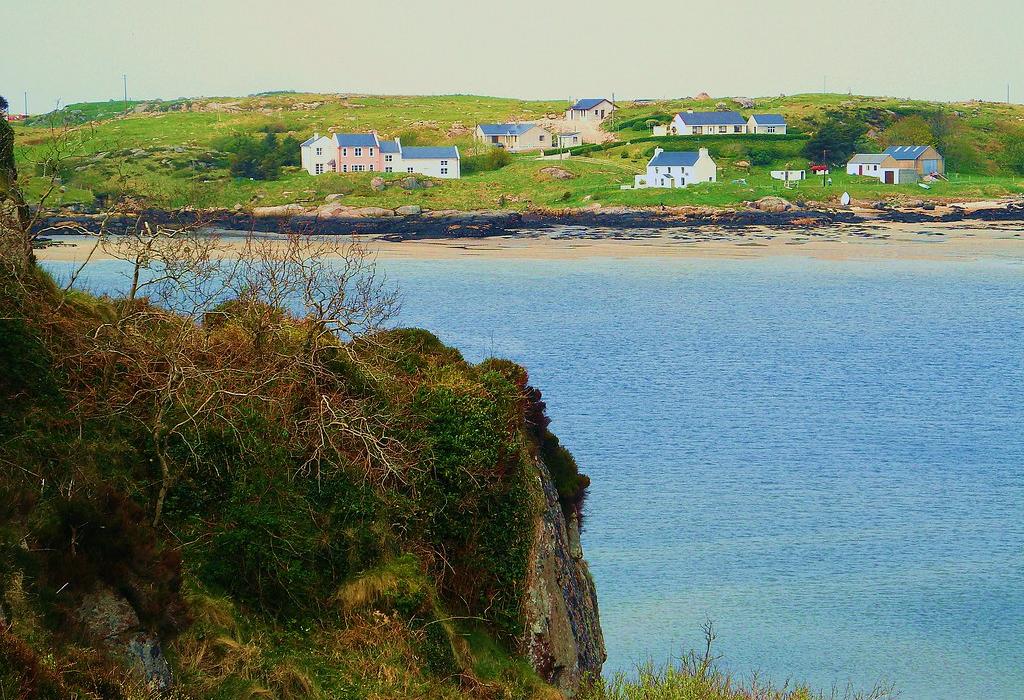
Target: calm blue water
<point>826,459</point>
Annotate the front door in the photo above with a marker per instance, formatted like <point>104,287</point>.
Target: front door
<point>860,169</point>
<point>890,177</point>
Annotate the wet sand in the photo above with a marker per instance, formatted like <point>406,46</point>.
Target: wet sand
<point>867,241</point>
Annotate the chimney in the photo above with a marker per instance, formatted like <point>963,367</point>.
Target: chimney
<point>658,151</point>
<point>689,111</point>
<point>316,135</point>
<point>701,152</point>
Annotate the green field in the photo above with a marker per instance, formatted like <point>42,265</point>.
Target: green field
<point>167,155</point>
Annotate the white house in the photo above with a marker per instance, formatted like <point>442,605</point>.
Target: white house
<point>678,169</point>
<point>692,123</point>
<point>435,161</point>
<point>595,109</point>
<point>318,155</point>
<point>568,140</point>
<point>868,164</point>
<point>766,124</point>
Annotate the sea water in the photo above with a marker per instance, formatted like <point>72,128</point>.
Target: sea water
<point>826,459</point>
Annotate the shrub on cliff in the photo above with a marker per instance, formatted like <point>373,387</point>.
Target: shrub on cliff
<point>490,160</point>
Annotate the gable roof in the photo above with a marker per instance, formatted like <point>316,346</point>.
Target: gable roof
<point>684,158</point>
<point>356,140</point>
<point>869,158</point>
<point>506,129</point>
<point>710,118</point>
<point>769,119</point>
<point>429,152</point>
<point>906,152</point>
<point>390,147</point>
<point>312,139</point>
<point>590,103</point>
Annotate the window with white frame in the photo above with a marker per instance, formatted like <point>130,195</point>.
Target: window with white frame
<point>444,171</point>
<point>723,129</point>
<point>344,152</point>
<point>371,167</point>
<point>409,170</point>
<point>387,168</point>
<point>319,151</point>
<point>319,168</point>
<point>344,168</point>
<point>371,151</point>
<point>444,162</point>
<point>358,168</point>
<point>737,129</point>
<point>359,152</point>
<point>387,158</point>
<point>771,129</point>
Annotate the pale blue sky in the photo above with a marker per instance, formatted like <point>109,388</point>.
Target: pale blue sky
<point>76,50</point>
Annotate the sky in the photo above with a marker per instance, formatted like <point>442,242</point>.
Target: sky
<point>75,50</point>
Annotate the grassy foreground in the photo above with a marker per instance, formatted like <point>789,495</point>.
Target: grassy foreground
<point>168,156</point>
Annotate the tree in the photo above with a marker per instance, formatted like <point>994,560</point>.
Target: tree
<point>835,141</point>
<point>909,131</point>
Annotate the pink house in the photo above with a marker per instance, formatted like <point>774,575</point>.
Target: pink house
<point>356,153</point>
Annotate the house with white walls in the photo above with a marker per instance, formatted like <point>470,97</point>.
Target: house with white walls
<point>669,169</point>
<point>899,164</point>
<point>590,109</point>
<point>865,164</point>
<point>435,161</point>
<point>318,155</point>
<point>692,123</point>
<point>766,124</point>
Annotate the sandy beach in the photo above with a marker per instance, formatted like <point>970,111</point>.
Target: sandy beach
<point>872,241</point>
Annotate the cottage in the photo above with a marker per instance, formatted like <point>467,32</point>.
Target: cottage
<point>591,109</point>
<point>766,124</point>
<point>677,169</point>
<point>318,155</point>
<point>515,138</point>
<point>356,153</point>
<point>865,164</point>
<point>692,123</point>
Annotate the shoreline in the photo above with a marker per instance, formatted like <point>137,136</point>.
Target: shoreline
<point>835,242</point>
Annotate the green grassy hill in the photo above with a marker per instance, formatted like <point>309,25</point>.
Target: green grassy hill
<point>172,153</point>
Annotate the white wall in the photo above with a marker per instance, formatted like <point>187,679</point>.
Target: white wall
<point>431,167</point>
<point>328,152</point>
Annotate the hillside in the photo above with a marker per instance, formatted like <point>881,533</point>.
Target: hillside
<point>170,154</point>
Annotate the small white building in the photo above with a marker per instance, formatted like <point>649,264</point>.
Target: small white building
<point>591,109</point>
<point>318,155</point>
<point>766,124</point>
<point>868,164</point>
<point>435,161</point>
<point>515,138</point>
<point>670,169</point>
<point>568,140</point>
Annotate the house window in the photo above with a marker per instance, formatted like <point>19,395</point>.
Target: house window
<point>371,151</point>
<point>334,167</point>
<point>444,171</point>
<point>444,162</point>
<point>771,129</point>
<point>387,158</point>
<point>344,152</point>
<point>387,168</point>
<point>697,130</point>
<point>344,168</point>
<point>408,170</point>
<point>541,138</point>
<point>737,129</point>
<point>358,168</point>
<point>319,168</point>
<point>319,151</point>
<point>371,167</point>
<point>359,152</point>
<point>723,129</point>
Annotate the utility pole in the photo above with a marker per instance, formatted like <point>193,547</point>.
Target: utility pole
<point>124,79</point>
<point>824,85</point>
<point>26,103</point>
<point>1007,93</point>
<point>824,167</point>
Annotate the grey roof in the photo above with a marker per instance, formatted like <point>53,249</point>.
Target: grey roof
<point>906,152</point>
<point>390,147</point>
<point>355,140</point>
<point>711,118</point>
<point>311,139</point>
<point>505,129</point>
<point>686,158</point>
<point>770,119</point>
<point>432,152</point>
<point>869,158</point>
<point>590,103</point>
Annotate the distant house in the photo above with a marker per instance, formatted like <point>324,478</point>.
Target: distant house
<point>568,140</point>
<point>356,153</point>
<point>594,109</point>
<point>898,164</point>
<point>692,123</point>
<point>318,155</point>
<point>17,117</point>
<point>670,169</point>
<point>515,138</point>
<point>766,124</point>
<point>865,164</point>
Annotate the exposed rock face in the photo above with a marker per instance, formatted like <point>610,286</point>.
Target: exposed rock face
<point>773,204</point>
<point>112,621</point>
<point>563,638</point>
<point>557,173</point>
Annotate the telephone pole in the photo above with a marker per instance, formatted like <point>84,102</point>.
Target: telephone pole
<point>124,79</point>
<point>26,103</point>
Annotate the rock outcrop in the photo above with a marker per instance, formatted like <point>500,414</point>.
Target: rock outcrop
<point>563,638</point>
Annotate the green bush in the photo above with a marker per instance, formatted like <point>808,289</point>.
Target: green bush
<point>260,159</point>
<point>494,159</point>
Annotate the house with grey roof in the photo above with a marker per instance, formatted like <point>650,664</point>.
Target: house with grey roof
<point>899,164</point>
<point>692,123</point>
<point>865,164</point>
<point>590,109</point>
<point>669,169</point>
<point>766,124</point>
<point>515,138</point>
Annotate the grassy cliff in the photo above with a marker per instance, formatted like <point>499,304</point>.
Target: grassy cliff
<point>383,555</point>
<point>178,152</point>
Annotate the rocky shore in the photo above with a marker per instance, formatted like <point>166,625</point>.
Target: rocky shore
<point>413,223</point>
